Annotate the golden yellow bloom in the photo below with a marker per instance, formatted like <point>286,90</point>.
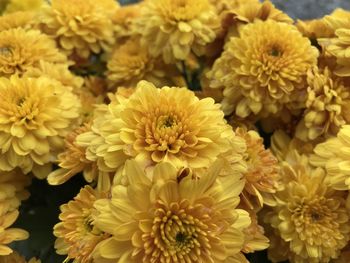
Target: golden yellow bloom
<point>21,50</point>
<point>339,21</point>
<point>77,235</point>
<point>80,26</point>
<point>263,69</point>
<point>173,219</point>
<point>8,235</point>
<point>14,257</point>
<point>327,105</point>
<point>333,156</point>
<point>35,115</point>
<point>154,125</point>
<point>310,216</point>
<point>131,63</point>
<point>27,5</point>
<point>175,28</point>
<point>262,176</point>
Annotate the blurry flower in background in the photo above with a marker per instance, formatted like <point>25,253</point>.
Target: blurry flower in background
<point>327,105</point>
<point>175,28</point>
<point>130,63</point>
<point>169,219</point>
<point>80,26</point>
<point>124,22</point>
<point>258,69</point>
<point>35,115</point>
<point>77,235</point>
<point>21,50</point>
<point>27,5</point>
<point>310,216</point>
<point>23,19</point>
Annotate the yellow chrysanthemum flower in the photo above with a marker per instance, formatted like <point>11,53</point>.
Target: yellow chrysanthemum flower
<point>7,234</point>
<point>173,219</point>
<point>327,105</point>
<point>154,125</point>
<point>21,50</point>
<point>262,175</point>
<point>80,26</point>
<point>339,21</point>
<point>27,5</point>
<point>16,258</point>
<point>175,28</point>
<point>310,216</point>
<point>131,63</point>
<point>35,116</point>
<point>77,234</point>
<point>333,156</point>
<point>263,69</point>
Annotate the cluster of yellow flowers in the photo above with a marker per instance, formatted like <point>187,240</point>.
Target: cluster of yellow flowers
<point>166,108</point>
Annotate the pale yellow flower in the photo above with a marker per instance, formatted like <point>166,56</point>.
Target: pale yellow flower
<point>154,125</point>
<point>175,28</point>
<point>310,216</point>
<point>80,26</point>
<point>327,105</point>
<point>22,49</point>
<point>77,233</point>
<point>172,219</point>
<point>263,69</point>
<point>35,116</point>
<point>337,45</point>
<point>333,155</point>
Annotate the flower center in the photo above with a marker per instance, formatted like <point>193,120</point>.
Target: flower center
<point>166,122</point>
<point>275,52</point>
<point>6,51</point>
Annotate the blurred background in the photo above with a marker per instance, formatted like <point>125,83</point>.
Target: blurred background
<point>302,9</point>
